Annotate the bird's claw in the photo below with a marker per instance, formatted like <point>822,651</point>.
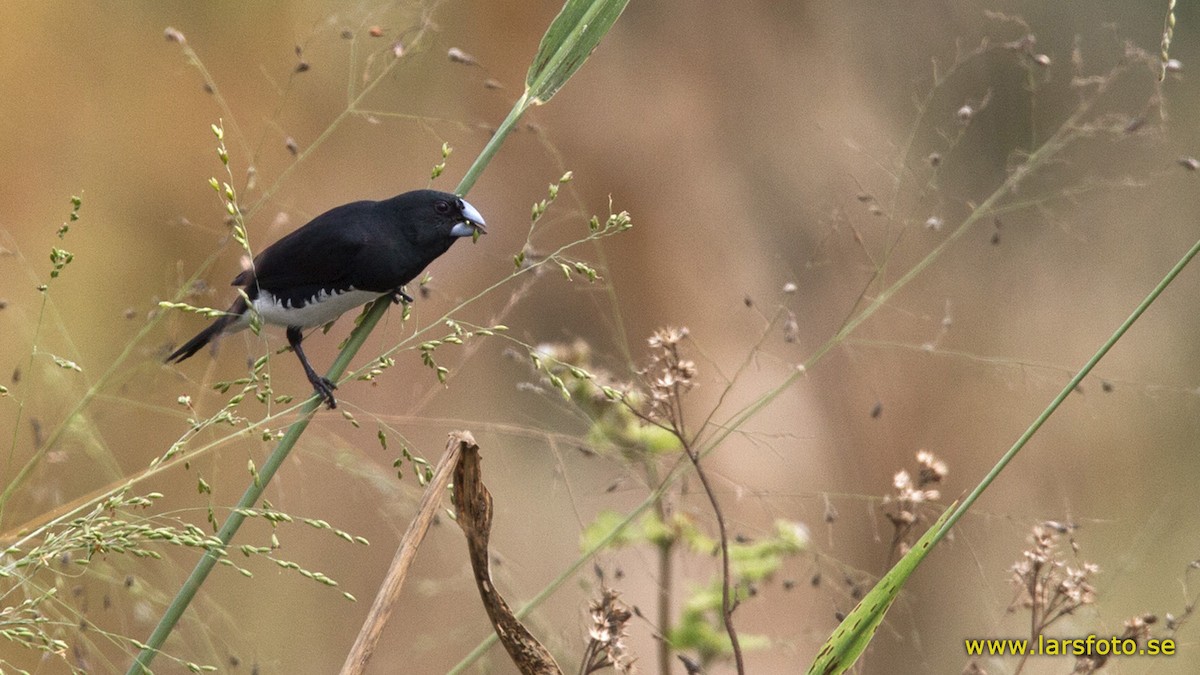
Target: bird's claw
<point>324,388</point>
<point>398,296</point>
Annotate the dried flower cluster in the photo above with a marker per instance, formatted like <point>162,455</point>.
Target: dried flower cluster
<point>1046,585</point>
<point>606,643</point>
<point>668,376</point>
<point>1137,628</point>
<point>932,470</point>
<point>901,508</point>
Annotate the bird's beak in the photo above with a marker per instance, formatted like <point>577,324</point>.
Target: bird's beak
<point>472,225</point>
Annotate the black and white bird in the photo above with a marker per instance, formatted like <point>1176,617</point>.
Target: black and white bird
<point>343,258</point>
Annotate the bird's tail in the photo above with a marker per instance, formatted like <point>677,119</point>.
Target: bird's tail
<point>207,335</point>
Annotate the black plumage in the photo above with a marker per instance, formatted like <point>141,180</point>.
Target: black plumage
<point>341,259</point>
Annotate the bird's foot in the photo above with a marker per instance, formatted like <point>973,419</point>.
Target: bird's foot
<point>398,296</point>
<point>324,387</point>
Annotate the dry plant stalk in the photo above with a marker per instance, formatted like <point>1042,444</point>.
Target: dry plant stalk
<point>389,591</point>
<point>669,376</point>
<point>473,508</point>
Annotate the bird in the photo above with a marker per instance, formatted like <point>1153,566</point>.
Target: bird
<point>344,258</point>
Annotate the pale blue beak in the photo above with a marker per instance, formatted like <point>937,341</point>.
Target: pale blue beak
<point>472,224</point>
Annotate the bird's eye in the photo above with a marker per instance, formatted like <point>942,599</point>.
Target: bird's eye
<point>441,207</point>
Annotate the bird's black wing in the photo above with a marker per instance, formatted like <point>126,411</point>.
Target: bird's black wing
<point>320,254</point>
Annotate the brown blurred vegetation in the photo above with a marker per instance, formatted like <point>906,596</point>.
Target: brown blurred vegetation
<point>756,145</point>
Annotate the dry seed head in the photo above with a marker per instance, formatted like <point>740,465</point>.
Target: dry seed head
<point>933,470</point>
<point>667,337</point>
<point>608,631</point>
<point>457,55</point>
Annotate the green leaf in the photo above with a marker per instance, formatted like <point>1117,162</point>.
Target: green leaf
<point>602,530</point>
<point>855,632</point>
<point>567,44</point>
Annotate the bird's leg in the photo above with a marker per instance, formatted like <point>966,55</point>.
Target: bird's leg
<point>323,386</point>
<point>398,296</point>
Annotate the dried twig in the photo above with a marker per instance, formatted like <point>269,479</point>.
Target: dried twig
<point>389,591</point>
<point>473,508</point>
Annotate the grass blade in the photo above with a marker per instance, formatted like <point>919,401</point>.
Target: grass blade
<point>568,42</point>
<point>855,632</point>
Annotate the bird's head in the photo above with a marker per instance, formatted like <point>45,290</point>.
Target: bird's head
<point>434,220</point>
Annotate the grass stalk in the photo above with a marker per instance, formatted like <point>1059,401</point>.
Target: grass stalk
<point>1069,387</point>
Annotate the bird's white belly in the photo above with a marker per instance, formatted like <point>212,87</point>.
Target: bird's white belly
<point>322,309</point>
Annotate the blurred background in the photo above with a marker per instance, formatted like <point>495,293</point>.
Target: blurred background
<point>783,162</point>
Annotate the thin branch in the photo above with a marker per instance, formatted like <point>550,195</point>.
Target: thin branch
<point>389,590</point>
<point>727,603</point>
